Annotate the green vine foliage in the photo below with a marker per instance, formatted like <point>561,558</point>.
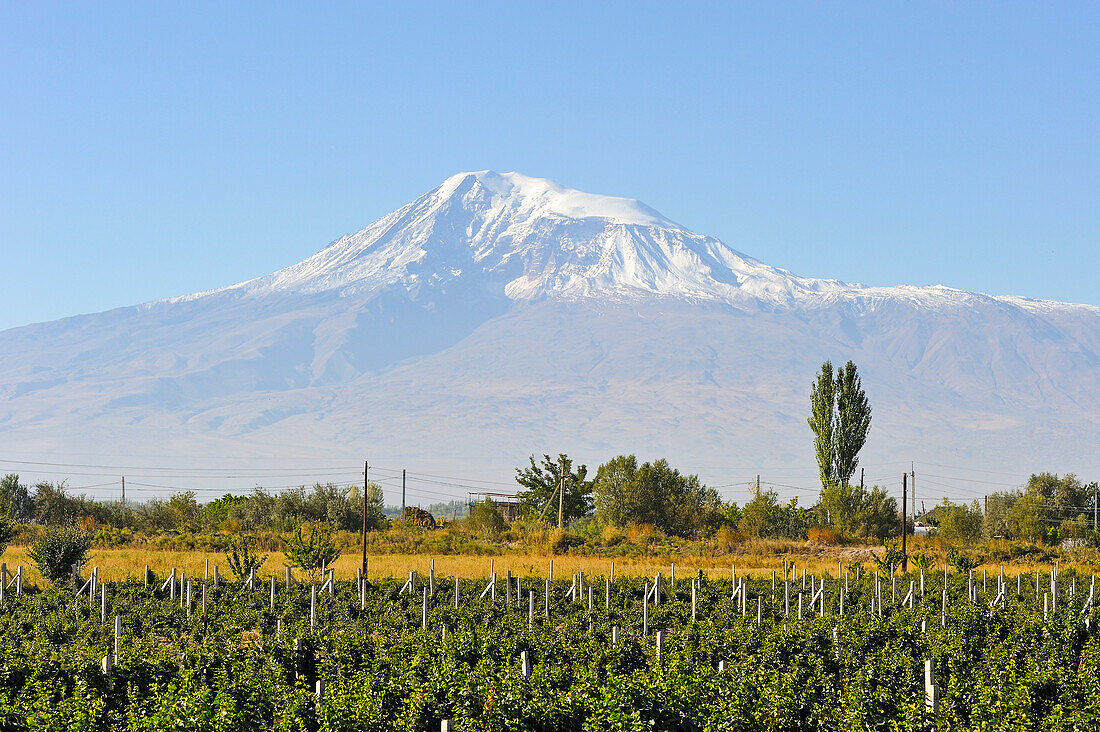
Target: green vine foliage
<point>242,557</point>
<point>997,668</point>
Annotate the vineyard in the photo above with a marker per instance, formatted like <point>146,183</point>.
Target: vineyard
<point>789,651</point>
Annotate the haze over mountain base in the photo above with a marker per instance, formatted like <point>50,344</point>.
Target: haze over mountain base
<point>499,316</point>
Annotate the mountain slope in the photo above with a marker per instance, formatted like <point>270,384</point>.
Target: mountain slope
<point>500,315</point>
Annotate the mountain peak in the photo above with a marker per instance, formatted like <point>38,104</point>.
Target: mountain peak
<point>545,197</point>
<point>524,238</point>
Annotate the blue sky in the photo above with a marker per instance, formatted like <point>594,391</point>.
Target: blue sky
<point>157,149</point>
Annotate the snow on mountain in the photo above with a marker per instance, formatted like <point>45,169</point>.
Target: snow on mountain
<point>530,238</point>
<point>500,315</point>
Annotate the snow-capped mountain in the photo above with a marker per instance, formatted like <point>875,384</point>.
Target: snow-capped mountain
<point>500,315</point>
<point>530,238</point>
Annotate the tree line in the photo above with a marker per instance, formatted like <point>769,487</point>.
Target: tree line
<point>623,491</point>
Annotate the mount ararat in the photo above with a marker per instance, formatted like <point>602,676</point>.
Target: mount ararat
<point>500,315</point>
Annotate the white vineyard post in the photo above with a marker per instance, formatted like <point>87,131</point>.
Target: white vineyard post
<point>525,664</point>
<point>312,605</point>
<point>931,691</point>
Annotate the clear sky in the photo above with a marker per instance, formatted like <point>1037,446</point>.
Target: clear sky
<point>157,149</point>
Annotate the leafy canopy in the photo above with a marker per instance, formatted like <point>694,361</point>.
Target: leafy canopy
<point>543,480</point>
<point>840,417</point>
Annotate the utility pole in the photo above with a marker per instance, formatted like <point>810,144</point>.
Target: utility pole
<point>758,485</point>
<point>913,490</point>
<point>1095,501</point>
<point>365,468</point>
<point>404,521</point>
<point>904,495</point>
<point>861,479</point>
<point>124,489</point>
<point>561,494</point>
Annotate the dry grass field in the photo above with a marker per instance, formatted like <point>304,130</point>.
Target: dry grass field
<point>756,559</point>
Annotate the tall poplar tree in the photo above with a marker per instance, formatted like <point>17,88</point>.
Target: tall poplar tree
<point>853,420</point>
<point>840,417</point>
<point>823,422</point>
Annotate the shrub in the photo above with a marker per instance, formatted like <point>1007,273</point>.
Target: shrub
<point>242,557</point>
<point>890,559</point>
<point>58,549</point>
<point>960,561</point>
<point>309,555</point>
<point>923,560</point>
<point>486,519</point>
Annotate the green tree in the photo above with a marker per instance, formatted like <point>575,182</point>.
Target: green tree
<point>653,493</point>
<point>1064,497</point>
<point>959,522</point>
<point>853,420</point>
<point>7,530</point>
<point>867,513</point>
<point>57,550</point>
<point>611,487</point>
<point>758,516</point>
<point>1027,518</point>
<point>375,503</point>
<point>15,498</point>
<point>823,423</point>
<point>184,509</point>
<point>995,515</point>
<point>485,519</point>
<point>543,481</point>
<point>52,505</point>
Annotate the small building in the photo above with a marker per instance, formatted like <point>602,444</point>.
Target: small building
<point>506,503</point>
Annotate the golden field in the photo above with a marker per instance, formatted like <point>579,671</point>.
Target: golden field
<point>759,559</point>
